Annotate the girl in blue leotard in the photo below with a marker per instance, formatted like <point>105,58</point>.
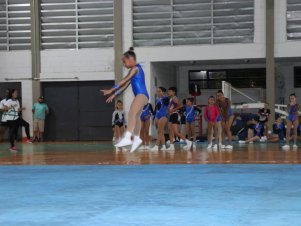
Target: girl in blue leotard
<point>145,117</point>
<point>189,112</point>
<point>292,121</point>
<point>161,118</point>
<point>136,79</point>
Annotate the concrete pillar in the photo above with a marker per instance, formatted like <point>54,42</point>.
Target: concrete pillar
<point>118,39</point>
<point>270,59</point>
<point>35,48</point>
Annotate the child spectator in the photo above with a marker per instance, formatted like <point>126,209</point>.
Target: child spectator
<point>118,120</point>
<point>255,132</point>
<point>189,112</point>
<point>211,115</point>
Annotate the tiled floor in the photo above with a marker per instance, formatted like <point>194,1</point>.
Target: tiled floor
<point>105,154</point>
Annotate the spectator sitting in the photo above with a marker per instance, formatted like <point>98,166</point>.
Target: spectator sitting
<point>278,130</point>
<point>255,132</point>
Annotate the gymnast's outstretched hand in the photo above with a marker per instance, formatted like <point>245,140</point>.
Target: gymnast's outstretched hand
<point>111,98</point>
<point>107,92</point>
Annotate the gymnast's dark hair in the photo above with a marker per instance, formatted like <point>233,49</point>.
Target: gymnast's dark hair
<point>130,53</point>
<point>256,118</point>
<point>220,91</point>
<point>190,99</point>
<point>292,94</point>
<point>10,93</point>
<point>162,89</point>
<point>173,89</point>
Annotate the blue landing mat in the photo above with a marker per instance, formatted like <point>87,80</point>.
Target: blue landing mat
<point>151,195</point>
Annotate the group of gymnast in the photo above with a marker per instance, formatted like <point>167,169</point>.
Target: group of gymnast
<point>169,112</point>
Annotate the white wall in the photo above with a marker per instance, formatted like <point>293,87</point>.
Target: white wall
<point>285,81</point>
<point>17,65</point>
<point>165,74</point>
<point>204,52</point>
<point>283,47</point>
<point>148,55</point>
<point>86,64</point>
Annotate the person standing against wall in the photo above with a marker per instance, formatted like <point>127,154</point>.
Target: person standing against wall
<point>264,116</point>
<point>39,110</point>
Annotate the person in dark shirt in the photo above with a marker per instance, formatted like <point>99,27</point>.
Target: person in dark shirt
<point>278,130</point>
<point>255,132</point>
<point>264,115</point>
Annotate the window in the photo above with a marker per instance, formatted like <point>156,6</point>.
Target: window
<point>14,25</point>
<point>183,22</point>
<point>297,77</point>
<point>233,21</point>
<point>77,24</point>
<point>239,78</point>
<point>293,18</point>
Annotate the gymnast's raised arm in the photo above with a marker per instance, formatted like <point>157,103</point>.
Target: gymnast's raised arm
<point>122,83</point>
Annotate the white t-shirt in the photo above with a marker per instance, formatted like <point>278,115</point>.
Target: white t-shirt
<point>13,112</point>
<point>2,106</point>
<point>3,103</point>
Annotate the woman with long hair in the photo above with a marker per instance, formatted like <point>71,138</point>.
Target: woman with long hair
<point>224,105</point>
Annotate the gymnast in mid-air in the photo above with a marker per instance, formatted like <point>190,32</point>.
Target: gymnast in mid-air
<point>136,79</point>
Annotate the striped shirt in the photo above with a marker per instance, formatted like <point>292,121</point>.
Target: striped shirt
<point>13,112</point>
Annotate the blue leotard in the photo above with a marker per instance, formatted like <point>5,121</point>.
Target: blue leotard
<point>230,112</point>
<point>189,113</point>
<point>146,112</point>
<point>138,82</point>
<point>293,112</point>
<point>258,130</point>
<point>161,108</point>
<point>279,129</point>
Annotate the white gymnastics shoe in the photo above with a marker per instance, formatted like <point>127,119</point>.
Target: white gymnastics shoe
<point>188,145</point>
<point>164,148</point>
<point>222,146</point>
<point>209,147</point>
<point>136,143</point>
<point>125,141</point>
<point>229,147</point>
<point>155,148</point>
<point>171,147</point>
